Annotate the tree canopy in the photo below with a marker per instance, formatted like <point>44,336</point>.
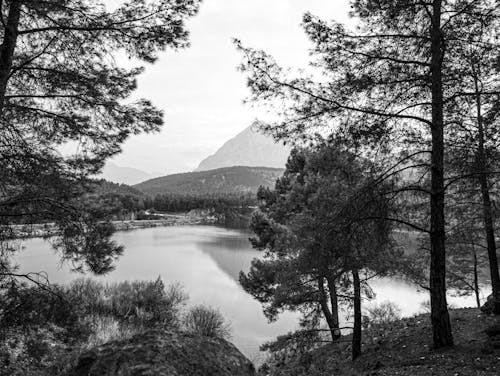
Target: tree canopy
<point>324,220</point>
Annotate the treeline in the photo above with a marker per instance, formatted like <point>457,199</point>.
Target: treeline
<point>175,203</point>
<point>105,200</point>
<point>111,201</point>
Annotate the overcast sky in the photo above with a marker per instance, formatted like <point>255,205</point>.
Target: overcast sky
<point>201,90</point>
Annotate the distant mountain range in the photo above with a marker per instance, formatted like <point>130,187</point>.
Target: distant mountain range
<point>248,148</point>
<point>242,164</point>
<point>236,179</point>
<point>103,187</point>
<point>124,175</point>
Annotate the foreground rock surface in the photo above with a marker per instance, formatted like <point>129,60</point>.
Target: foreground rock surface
<point>162,353</point>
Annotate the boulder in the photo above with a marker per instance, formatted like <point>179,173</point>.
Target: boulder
<point>489,306</point>
<point>164,353</point>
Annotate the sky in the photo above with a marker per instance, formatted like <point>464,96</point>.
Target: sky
<point>200,89</point>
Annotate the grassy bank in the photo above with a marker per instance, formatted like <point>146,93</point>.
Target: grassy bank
<point>403,348</point>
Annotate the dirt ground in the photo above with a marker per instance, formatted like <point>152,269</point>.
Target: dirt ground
<point>404,348</point>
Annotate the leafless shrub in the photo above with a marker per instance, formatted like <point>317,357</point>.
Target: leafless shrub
<point>383,313</point>
<point>206,321</point>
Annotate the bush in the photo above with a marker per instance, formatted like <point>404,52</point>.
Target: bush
<point>143,304</point>
<point>27,307</point>
<point>383,313</point>
<point>206,321</point>
<point>105,329</point>
<point>42,332</point>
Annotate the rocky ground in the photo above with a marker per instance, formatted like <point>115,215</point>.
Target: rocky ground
<point>163,353</point>
<point>404,348</point>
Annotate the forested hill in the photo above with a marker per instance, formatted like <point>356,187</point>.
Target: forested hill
<point>238,179</point>
<point>103,186</point>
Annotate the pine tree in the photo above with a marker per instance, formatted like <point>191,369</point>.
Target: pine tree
<point>61,86</point>
<point>323,232</point>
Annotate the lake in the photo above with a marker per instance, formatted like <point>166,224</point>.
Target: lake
<point>206,260</point>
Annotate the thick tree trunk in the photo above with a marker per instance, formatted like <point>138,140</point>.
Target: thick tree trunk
<point>441,326</point>
<point>7,48</point>
<point>335,307</point>
<point>489,227</point>
<point>356,333</point>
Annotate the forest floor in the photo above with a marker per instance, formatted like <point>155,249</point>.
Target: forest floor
<point>404,348</point>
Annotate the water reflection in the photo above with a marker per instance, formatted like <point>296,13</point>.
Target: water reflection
<point>231,252</point>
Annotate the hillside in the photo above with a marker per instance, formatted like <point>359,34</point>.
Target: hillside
<point>238,179</point>
<point>404,348</point>
<point>124,175</point>
<point>103,186</point>
<point>248,148</point>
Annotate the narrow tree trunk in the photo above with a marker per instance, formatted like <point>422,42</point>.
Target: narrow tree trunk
<point>490,240</point>
<point>441,326</point>
<point>332,325</point>
<point>476,279</point>
<point>356,334</point>
<point>7,48</point>
<point>487,206</point>
<point>335,306</point>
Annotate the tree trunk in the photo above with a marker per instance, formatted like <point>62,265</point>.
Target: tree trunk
<point>490,240</point>
<point>332,325</point>
<point>7,48</point>
<point>356,333</point>
<point>487,207</point>
<point>441,326</point>
<point>476,279</point>
<point>335,307</point>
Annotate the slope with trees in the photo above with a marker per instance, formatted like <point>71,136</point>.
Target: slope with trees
<point>228,180</point>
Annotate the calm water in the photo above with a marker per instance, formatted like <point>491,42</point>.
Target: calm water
<point>206,260</point>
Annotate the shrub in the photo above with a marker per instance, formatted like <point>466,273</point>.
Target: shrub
<point>27,307</point>
<point>142,304</point>
<point>206,321</point>
<point>105,329</point>
<point>42,332</point>
<point>383,313</point>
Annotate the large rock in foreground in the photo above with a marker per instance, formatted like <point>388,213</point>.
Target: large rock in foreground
<point>162,353</point>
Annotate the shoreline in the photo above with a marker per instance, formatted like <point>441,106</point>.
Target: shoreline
<point>40,230</point>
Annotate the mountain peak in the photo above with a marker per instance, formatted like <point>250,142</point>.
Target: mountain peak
<point>248,148</point>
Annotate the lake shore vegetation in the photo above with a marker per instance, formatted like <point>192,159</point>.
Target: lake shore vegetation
<point>44,332</point>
